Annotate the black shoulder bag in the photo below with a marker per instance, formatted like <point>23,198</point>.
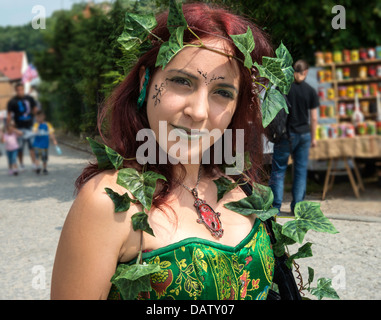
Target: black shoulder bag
<point>283,277</point>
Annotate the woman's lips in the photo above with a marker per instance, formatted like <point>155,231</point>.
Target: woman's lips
<point>184,132</point>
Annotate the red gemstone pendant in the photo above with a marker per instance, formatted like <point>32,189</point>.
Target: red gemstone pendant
<point>208,216</point>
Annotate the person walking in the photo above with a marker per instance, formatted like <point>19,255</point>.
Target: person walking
<point>43,131</point>
<point>9,138</point>
<point>302,122</point>
<point>22,108</point>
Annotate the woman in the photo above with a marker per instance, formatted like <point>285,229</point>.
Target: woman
<point>200,90</point>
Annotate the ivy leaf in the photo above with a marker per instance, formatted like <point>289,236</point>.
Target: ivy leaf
<point>115,158</point>
<point>140,221</point>
<point>286,67</point>
<point>101,154</point>
<point>324,289</point>
<point>136,29</point>
<point>308,216</point>
<point>175,17</point>
<point>303,252</point>
<point>246,44</point>
<point>107,158</point>
<point>133,279</point>
<point>121,202</point>
<point>142,186</point>
<point>272,104</point>
<point>258,203</point>
<point>311,274</point>
<point>170,48</point>
<point>282,53</point>
<point>281,239</point>
<point>224,185</point>
<point>271,69</point>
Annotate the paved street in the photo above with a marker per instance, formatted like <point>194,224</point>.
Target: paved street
<point>33,209</point>
<point>32,212</point>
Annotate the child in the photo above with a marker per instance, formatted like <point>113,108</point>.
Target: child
<point>43,131</point>
<point>11,146</point>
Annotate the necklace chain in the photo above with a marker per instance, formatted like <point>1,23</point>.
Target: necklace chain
<point>194,190</point>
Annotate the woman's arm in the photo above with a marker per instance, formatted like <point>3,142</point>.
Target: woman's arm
<point>91,243</point>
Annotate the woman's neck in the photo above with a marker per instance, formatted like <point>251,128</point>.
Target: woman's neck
<point>191,174</point>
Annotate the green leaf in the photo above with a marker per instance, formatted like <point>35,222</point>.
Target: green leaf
<point>224,185</point>
<point>303,252</point>
<point>115,158</point>
<point>324,289</point>
<point>100,152</point>
<point>286,66</point>
<point>271,69</point>
<point>107,158</point>
<point>246,44</point>
<point>282,53</point>
<point>311,274</point>
<point>121,202</point>
<point>142,186</point>
<point>281,239</point>
<point>308,216</point>
<point>170,48</point>
<point>136,29</point>
<point>258,203</point>
<point>140,221</point>
<point>272,104</point>
<point>175,17</point>
<point>133,279</point>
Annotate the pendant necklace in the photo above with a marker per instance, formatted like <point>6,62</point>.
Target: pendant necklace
<point>206,214</point>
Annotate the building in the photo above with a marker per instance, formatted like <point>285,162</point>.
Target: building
<point>13,65</point>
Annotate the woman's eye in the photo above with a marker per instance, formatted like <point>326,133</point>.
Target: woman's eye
<point>225,94</point>
<point>180,81</point>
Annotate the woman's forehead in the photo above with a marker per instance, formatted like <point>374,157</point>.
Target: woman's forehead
<point>204,61</point>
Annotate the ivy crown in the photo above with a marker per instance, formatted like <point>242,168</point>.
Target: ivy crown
<point>138,32</point>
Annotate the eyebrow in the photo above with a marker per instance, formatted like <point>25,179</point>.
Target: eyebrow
<point>190,75</point>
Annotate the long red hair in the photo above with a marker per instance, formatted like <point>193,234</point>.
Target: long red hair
<point>121,119</point>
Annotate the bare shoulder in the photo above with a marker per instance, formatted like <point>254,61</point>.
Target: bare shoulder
<point>92,241</point>
<point>94,204</point>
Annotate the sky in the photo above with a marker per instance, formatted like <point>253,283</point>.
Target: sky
<point>19,12</point>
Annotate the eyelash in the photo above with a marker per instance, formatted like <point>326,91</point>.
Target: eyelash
<point>185,82</point>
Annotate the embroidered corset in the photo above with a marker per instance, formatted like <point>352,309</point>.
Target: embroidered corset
<point>195,268</point>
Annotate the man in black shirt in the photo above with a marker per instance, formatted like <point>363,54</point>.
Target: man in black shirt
<point>302,121</point>
<point>22,108</point>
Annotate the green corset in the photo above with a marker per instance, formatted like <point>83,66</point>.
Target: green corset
<point>195,268</point>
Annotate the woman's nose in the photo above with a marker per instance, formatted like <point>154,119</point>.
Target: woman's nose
<point>198,107</point>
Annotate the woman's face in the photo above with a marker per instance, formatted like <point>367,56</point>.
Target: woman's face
<point>196,93</point>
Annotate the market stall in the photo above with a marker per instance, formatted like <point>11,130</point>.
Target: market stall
<point>349,113</point>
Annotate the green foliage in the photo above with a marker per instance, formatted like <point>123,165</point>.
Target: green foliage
<point>107,158</point>
<point>141,185</point>
<point>308,216</point>
<point>140,222</point>
<point>122,202</point>
<point>133,279</point>
<point>82,61</point>
<point>245,43</point>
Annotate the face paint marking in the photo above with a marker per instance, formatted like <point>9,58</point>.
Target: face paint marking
<point>159,90</point>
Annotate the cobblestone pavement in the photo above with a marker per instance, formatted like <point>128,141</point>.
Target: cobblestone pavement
<point>33,209</point>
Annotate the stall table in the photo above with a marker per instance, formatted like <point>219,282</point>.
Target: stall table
<point>345,149</point>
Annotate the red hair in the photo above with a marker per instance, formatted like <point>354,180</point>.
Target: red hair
<point>123,120</point>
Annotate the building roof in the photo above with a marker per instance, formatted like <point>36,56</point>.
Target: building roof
<point>11,64</point>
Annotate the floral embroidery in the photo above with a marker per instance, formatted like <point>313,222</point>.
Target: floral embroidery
<point>203,270</point>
